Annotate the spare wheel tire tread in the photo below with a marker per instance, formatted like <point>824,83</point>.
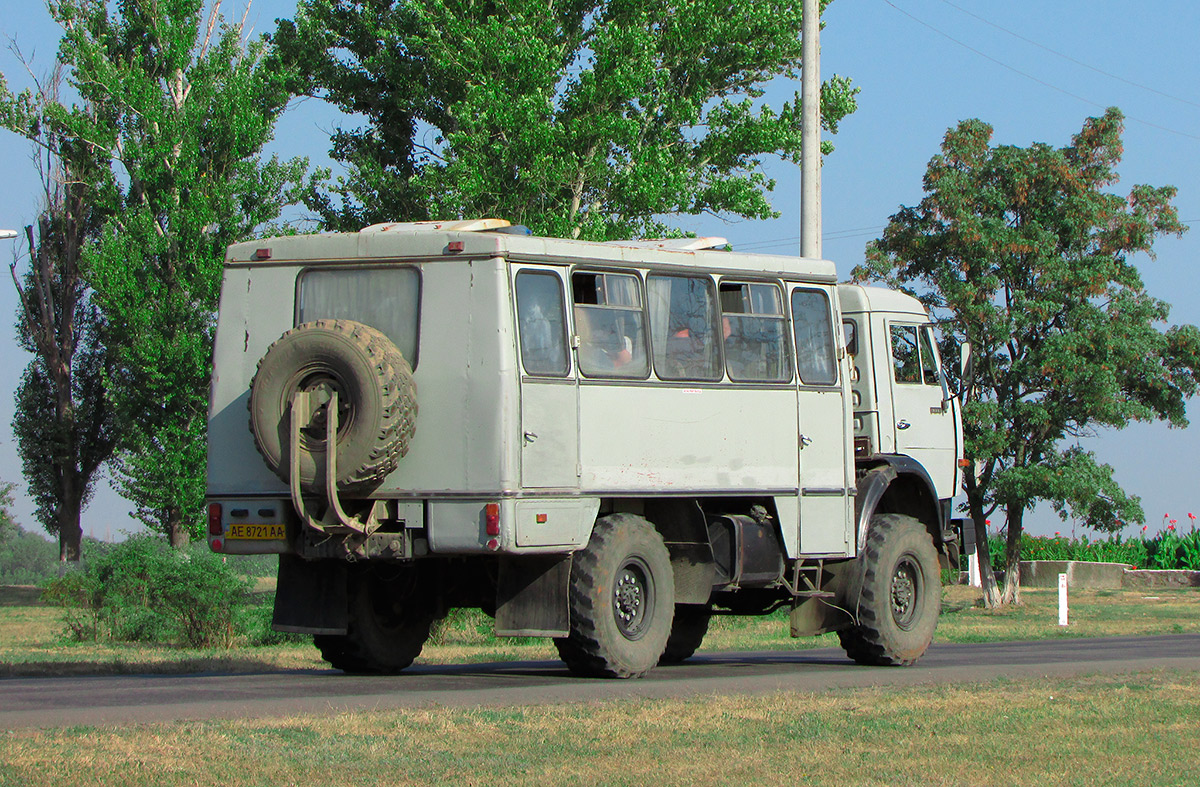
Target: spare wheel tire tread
<point>393,413</point>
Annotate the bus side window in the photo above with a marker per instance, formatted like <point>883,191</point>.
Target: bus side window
<point>755,331</point>
<point>816,355</point>
<point>683,315</point>
<point>542,323</point>
<point>611,325</point>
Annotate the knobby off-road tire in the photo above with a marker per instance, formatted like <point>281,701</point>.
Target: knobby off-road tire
<point>377,402</point>
<point>622,600</point>
<point>899,594</point>
<point>386,628</point>
<point>687,632</point>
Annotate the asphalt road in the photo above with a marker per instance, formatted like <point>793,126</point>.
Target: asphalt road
<point>54,702</point>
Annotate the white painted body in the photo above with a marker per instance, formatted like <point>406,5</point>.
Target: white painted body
<point>550,451</point>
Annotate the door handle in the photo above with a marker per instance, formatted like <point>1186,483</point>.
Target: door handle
<point>530,437</point>
<point>805,442</point>
<point>903,424</point>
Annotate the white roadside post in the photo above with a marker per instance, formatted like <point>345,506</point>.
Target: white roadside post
<point>1062,599</point>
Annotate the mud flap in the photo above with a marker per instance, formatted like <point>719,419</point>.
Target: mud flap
<point>311,596</point>
<point>531,597</point>
<point>815,616</point>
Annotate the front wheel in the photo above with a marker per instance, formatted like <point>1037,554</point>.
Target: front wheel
<point>899,594</point>
<point>622,597</point>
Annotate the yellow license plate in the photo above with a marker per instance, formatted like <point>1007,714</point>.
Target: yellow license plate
<point>255,532</point>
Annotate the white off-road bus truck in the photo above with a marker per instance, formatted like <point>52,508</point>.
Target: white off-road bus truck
<point>603,443</point>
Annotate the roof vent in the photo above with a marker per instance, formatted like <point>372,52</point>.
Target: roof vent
<point>469,225</point>
<point>673,244</point>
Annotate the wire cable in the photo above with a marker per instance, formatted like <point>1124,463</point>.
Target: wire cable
<point>1067,57</point>
<point>1033,78</point>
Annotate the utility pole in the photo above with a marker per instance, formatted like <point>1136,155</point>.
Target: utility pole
<point>810,131</point>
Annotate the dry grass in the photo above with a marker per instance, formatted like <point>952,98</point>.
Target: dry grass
<point>1139,730</point>
<point>31,642</point>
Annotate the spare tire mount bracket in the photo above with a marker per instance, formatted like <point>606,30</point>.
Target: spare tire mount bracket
<point>302,403</point>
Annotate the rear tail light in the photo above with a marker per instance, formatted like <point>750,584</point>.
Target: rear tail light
<point>491,519</point>
<point>214,520</point>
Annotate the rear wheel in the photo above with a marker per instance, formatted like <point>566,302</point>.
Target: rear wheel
<point>687,632</point>
<point>386,628</point>
<point>899,594</point>
<point>622,598</point>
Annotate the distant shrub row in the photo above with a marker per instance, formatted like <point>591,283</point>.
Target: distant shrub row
<point>1171,549</point>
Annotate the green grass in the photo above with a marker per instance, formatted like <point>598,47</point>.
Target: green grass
<point>1140,730</point>
<point>31,640</point>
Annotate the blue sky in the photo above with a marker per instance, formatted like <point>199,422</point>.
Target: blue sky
<point>1033,69</point>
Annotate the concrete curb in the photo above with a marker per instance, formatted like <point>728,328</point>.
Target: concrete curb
<point>1146,578</point>
<point>1086,575</point>
<point>1080,574</point>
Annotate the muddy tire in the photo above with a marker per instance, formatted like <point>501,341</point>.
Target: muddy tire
<point>899,594</point>
<point>386,629</point>
<point>687,632</point>
<point>622,600</point>
<point>377,403</point>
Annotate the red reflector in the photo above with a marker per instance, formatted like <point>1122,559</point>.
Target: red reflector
<point>493,544</point>
<point>964,462</point>
<point>214,519</point>
<point>541,519</point>
<point>454,245</point>
<point>491,519</point>
<point>262,254</point>
<point>216,545</point>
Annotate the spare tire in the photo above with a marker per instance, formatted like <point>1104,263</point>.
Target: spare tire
<point>377,403</point>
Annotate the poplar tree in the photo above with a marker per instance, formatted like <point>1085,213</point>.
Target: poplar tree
<point>181,107</point>
<point>578,118</point>
<point>63,418</point>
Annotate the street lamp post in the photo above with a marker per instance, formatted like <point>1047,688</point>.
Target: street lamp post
<point>6,234</point>
<point>810,131</point>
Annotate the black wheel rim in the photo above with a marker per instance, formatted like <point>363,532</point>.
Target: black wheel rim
<point>633,598</point>
<point>906,592</point>
<point>322,381</point>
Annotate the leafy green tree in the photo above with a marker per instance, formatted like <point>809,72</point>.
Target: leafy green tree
<point>63,420</point>
<point>8,525</point>
<point>578,118</point>
<point>1026,254</point>
<point>182,107</point>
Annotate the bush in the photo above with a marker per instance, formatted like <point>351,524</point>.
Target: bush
<point>143,591</point>
<point>254,621</point>
<point>78,593</point>
<point>1168,550</point>
<point>26,558</point>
